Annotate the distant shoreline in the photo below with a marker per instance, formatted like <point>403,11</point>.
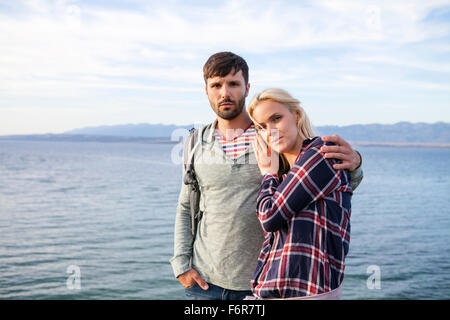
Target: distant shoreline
<point>167,140</point>
<point>398,135</point>
<point>400,144</point>
<point>85,138</point>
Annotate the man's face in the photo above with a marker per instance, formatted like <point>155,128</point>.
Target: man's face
<point>227,94</point>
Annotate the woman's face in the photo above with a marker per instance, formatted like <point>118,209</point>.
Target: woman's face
<point>278,125</point>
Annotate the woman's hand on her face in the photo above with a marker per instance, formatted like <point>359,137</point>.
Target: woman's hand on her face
<point>268,162</point>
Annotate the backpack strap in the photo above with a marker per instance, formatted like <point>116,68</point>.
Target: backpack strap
<point>190,178</point>
<point>189,172</point>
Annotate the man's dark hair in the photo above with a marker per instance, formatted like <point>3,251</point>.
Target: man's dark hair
<point>222,63</point>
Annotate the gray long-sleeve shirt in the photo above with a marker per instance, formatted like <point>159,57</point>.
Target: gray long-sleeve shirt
<point>229,236</point>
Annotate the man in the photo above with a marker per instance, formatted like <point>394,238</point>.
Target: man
<point>219,263</point>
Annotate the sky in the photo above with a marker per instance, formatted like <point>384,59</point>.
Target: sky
<point>73,64</point>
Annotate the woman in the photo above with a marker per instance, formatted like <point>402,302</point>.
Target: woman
<point>305,212</point>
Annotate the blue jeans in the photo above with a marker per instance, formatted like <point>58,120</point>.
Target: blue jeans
<point>215,293</point>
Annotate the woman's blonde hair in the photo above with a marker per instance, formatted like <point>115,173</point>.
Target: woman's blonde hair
<point>282,96</point>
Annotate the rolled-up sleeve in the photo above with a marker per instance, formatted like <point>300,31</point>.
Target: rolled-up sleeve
<point>356,177</point>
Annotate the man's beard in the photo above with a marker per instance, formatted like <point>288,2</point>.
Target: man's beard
<point>231,114</point>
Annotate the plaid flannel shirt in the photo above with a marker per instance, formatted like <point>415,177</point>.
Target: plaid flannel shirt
<point>306,220</point>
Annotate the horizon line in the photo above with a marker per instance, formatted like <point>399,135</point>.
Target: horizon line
<point>194,124</point>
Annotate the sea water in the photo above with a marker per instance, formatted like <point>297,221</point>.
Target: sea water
<point>91,220</point>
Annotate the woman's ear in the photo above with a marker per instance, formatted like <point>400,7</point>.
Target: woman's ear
<point>298,116</point>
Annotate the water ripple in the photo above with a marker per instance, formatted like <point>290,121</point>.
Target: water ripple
<point>109,209</point>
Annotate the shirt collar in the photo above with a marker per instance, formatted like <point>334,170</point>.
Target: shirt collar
<point>210,134</point>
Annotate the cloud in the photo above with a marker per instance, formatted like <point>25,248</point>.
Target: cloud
<point>87,50</point>
<point>405,62</point>
<point>60,36</point>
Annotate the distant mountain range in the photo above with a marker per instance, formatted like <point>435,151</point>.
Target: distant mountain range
<point>395,134</point>
<point>131,130</point>
<point>400,132</point>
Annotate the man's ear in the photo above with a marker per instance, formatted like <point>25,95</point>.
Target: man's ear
<point>247,90</point>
